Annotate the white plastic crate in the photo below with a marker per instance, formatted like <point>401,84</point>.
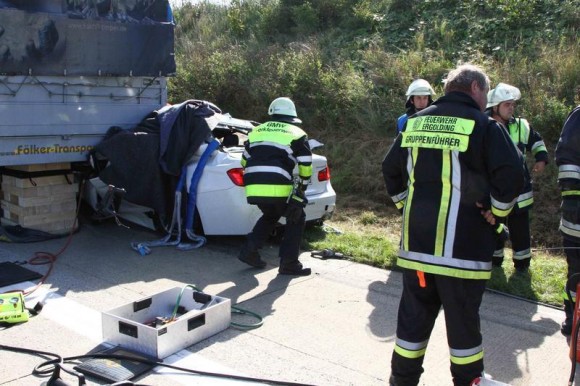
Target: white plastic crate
<point>200,316</point>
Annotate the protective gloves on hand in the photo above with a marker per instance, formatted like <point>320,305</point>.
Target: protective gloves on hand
<point>296,204</point>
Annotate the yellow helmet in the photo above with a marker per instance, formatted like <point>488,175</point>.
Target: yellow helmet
<point>502,93</point>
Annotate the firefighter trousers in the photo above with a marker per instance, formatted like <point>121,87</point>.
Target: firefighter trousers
<point>518,223</point>
<point>572,250</point>
<point>418,309</point>
<point>290,245</point>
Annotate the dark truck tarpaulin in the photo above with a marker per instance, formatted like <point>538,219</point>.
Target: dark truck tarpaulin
<point>86,38</point>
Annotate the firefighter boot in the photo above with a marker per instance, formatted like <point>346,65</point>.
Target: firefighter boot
<point>497,258</point>
<point>522,266</point>
<point>566,329</point>
<point>294,269</point>
<point>403,381</point>
<point>251,257</point>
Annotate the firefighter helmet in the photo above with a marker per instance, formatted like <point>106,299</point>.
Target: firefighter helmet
<point>419,87</point>
<point>284,109</point>
<point>502,93</point>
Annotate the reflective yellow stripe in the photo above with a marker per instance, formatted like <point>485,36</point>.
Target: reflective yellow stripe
<point>467,360</point>
<point>438,132</point>
<point>258,190</point>
<point>444,205</point>
<point>305,172</point>
<point>571,193</point>
<point>436,141</point>
<point>411,354</point>
<point>282,133</point>
<point>400,204</point>
<point>499,212</point>
<point>445,271</point>
<point>524,203</point>
<point>414,155</point>
<point>538,149</point>
<point>442,124</point>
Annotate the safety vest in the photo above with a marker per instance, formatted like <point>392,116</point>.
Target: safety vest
<point>519,131</point>
<point>525,139</point>
<point>271,152</point>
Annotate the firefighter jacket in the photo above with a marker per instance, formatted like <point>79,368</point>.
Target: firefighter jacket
<point>527,141</point>
<point>568,162</point>
<point>271,152</point>
<point>450,157</point>
<point>410,111</point>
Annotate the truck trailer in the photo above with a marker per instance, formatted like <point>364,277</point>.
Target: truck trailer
<point>70,70</point>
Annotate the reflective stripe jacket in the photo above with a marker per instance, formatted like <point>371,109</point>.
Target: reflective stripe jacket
<point>271,152</point>
<point>568,161</point>
<point>527,140</point>
<point>450,157</point>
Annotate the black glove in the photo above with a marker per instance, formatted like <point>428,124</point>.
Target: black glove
<point>502,232</point>
<point>295,208</point>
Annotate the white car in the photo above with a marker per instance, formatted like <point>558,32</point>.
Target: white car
<point>221,203</point>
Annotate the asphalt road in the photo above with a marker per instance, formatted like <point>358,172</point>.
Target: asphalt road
<point>335,327</point>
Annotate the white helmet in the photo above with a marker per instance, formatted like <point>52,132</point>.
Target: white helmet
<point>419,87</point>
<point>284,106</point>
<point>502,93</point>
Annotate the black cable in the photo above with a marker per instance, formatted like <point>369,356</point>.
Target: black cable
<point>36,370</point>
<point>234,310</point>
<point>145,361</point>
<point>497,292</point>
<point>553,249</point>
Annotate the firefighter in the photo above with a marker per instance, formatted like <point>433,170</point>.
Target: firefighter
<point>568,162</point>
<point>419,95</point>
<point>501,103</point>
<point>451,173</point>
<point>271,152</point>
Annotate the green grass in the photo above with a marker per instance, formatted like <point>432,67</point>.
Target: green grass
<point>370,236</point>
<point>367,249</point>
<point>347,64</point>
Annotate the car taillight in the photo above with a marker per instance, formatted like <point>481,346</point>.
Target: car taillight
<point>324,174</point>
<point>237,176</point>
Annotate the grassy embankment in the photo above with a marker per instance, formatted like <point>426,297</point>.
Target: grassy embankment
<point>347,64</point>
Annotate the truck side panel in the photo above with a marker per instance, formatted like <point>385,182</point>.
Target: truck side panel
<point>48,119</point>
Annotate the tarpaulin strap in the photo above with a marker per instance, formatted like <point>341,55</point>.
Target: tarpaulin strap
<point>144,247</point>
<point>198,241</point>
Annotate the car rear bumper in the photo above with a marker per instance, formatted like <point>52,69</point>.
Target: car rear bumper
<point>321,206</point>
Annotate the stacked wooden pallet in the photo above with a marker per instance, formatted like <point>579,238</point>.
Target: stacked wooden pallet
<point>41,197</point>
